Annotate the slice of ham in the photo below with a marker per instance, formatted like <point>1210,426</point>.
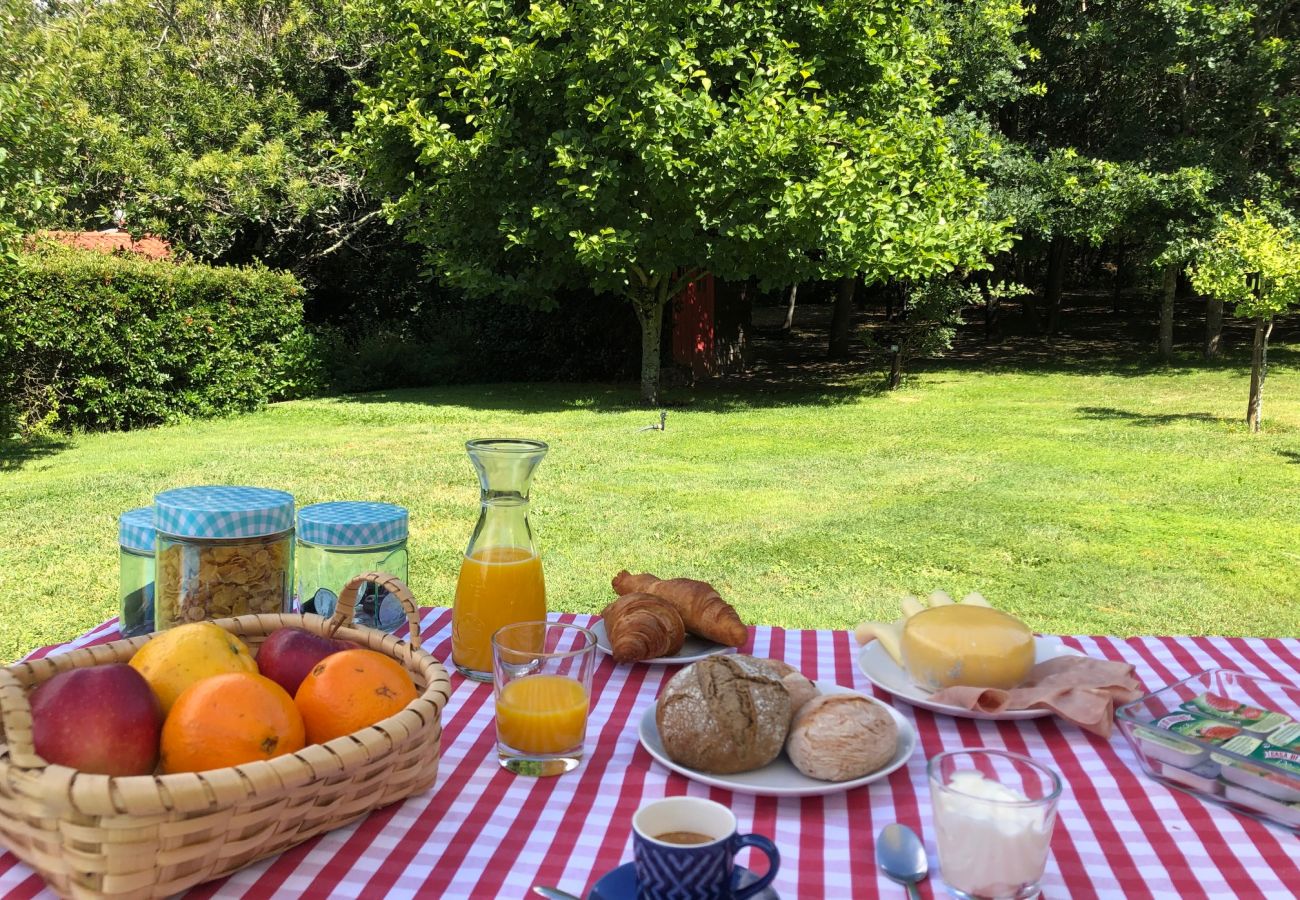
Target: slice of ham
<point>1080,689</point>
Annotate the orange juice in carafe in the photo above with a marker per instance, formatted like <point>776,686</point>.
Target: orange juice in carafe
<point>501,573</point>
<point>498,586</point>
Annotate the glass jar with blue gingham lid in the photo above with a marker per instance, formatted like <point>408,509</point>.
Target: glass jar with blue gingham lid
<point>135,571</point>
<point>341,539</point>
<point>222,551</point>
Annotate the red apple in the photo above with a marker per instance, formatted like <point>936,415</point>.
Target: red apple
<point>288,654</point>
<point>101,719</point>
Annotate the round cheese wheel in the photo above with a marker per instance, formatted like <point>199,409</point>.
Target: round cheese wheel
<point>969,645</point>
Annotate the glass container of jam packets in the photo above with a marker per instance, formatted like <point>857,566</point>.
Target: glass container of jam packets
<point>1226,737</point>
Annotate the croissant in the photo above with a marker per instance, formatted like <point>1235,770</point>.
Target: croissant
<point>701,607</point>
<point>641,626</point>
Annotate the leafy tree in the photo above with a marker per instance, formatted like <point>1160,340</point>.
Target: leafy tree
<point>925,327</point>
<point>1253,262</point>
<point>1198,104</point>
<point>630,146</point>
<point>31,103</point>
<point>215,124</point>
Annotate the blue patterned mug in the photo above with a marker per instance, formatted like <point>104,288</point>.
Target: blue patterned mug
<point>686,848</point>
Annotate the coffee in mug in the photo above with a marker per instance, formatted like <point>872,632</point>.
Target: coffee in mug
<point>683,837</point>
<point>688,840</point>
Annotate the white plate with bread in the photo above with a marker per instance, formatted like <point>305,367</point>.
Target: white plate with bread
<point>780,778</point>
<point>693,648</point>
<point>876,663</point>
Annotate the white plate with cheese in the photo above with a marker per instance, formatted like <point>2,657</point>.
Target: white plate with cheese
<point>884,673</point>
<point>780,778</point>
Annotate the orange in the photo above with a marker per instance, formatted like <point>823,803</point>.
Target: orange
<point>352,690</point>
<point>228,720</point>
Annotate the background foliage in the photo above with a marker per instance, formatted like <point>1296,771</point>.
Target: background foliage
<point>1113,134</point>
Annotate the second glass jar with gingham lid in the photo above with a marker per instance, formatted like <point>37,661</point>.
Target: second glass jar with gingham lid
<point>345,538</point>
<point>222,551</point>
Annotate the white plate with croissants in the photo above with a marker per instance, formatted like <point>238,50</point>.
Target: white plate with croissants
<point>693,649</point>
<point>674,621</point>
<point>758,726</point>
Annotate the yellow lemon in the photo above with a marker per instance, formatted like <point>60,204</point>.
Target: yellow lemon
<point>176,658</point>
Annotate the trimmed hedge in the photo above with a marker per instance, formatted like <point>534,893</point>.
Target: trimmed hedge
<point>102,341</point>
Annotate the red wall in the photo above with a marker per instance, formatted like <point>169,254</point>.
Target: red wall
<point>693,328</point>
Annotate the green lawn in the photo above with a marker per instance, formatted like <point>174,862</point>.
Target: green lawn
<point>1122,502</point>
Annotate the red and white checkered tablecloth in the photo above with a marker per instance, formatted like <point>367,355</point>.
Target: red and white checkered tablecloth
<point>482,832</point>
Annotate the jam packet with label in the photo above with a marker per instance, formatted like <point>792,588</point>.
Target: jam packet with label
<point>1201,727</point>
<point>1278,755</point>
<point>1248,718</point>
<point>1281,749</point>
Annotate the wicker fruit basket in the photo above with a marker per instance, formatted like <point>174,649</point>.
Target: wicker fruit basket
<point>154,835</point>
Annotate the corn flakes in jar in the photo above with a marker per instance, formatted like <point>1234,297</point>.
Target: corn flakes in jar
<point>222,551</point>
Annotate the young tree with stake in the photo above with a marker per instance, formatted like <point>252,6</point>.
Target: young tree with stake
<point>1253,262</point>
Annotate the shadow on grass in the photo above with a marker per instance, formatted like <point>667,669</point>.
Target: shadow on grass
<point>1291,456</point>
<point>14,454</point>
<point>720,396</point>
<point>1034,355</point>
<point>1143,419</point>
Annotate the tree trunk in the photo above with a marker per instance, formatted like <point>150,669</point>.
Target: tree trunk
<point>1168,288</point>
<point>733,303</point>
<point>1057,254</point>
<point>895,367</point>
<point>1258,372</point>
<point>1213,327</point>
<point>648,301</point>
<point>992,327</point>
<point>789,312</point>
<point>1117,283</point>
<point>842,319</point>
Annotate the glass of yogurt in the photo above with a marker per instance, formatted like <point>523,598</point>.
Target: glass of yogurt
<point>993,818</point>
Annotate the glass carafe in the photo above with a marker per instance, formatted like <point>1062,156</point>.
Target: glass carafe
<point>501,574</point>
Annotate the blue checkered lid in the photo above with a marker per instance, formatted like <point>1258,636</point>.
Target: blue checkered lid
<point>349,523</point>
<point>135,529</point>
<point>219,511</point>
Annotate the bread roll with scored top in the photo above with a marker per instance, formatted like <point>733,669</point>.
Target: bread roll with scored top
<point>642,626</point>
<point>722,715</point>
<point>839,737</point>
<point>701,607</point>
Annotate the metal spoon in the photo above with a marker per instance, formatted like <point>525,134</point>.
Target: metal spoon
<point>551,893</point>
<point>901,857</point>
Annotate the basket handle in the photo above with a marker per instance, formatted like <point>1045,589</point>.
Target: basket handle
<point>16,723</point>
<point>347,602</point>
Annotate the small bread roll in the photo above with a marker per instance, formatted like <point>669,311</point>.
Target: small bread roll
<point>839,737</point>
<point>722,715</point>
<point>798,684</point>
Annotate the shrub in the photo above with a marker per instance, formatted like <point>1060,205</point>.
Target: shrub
<point>99,341</point>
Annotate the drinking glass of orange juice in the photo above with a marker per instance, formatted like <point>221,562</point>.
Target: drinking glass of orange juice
<point>501,573</point>
<point>542,679</point>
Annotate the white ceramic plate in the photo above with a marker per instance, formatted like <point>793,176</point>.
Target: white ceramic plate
<point>780,778</point>
<point>695,648</point>
<point>887,675</point>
